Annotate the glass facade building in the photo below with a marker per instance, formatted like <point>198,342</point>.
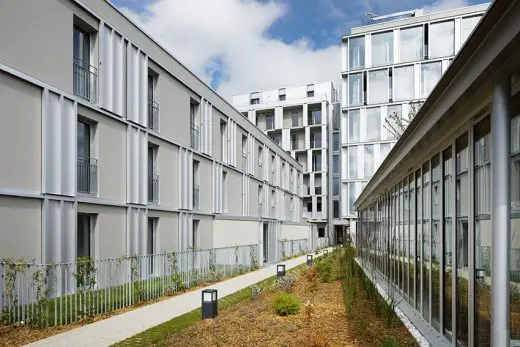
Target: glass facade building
<point>389,69</point>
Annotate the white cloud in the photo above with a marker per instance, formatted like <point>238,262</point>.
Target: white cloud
<point>444,5</point>
<point>230,36</point>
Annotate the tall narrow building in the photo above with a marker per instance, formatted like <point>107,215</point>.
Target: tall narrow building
<point>388,69</point>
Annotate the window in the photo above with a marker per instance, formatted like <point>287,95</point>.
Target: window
<point>369,160</point>
<point>393,112</point>
<point>353,125</point>
<point>335,209</point>
<point>315,137</point>
<point>378,86</point>
<point>430,75</point>
<point>403,83</point>
<point>281,94</point>
<point>195,184</point>
<point>195,234</point>
<point>335,142</point>
<point>442,39</point>
<point>295,118</point>
<point>353,162</point>
<point>411,44</point>
<point>356,52</point>
<point>373,124</point>
<point>318,204</point>
<point>224,192</point>
<point>316,161</point>
<point>269,121</point>
<point>84,74</point>
<point>254,98</point>
<point>194,126</point>
<point>351,197</point>
<point>382,48</point>
<point>277,138</point>
<point>224,140</point>
<point>384,149</point>
<point>153,177</point>
<point>153,105</point>
<point>447,214</point>
<point>314,117</point>
<point>86,165</point>
<point>84,132</point>
<point>255,101</point>
<point>85,236</point>
<point>468,24</point>
<point>335,186</point>
<point>151,243</point>
<point>355,89</point>
<point>310,90</point>
<point>321,232</point>
<point>335,164</point>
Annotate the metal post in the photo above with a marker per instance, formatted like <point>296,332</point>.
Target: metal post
<point>500,212</point>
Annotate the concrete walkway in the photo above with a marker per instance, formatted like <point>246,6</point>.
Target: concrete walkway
<point>123,326</point>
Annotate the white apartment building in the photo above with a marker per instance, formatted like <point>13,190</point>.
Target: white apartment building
<point>299,120</point>
<point>389,68</point>
<point>109,146</point>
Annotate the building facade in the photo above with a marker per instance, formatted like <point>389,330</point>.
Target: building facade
<point>110,146</point>
<point>300,119</point>
<point>389,68</point>
<point>439,221</point>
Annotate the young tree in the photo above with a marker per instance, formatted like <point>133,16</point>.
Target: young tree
<point>396,124</point>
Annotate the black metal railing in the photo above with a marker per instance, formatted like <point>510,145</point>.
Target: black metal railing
<point>195,137</point>
<point>196,197</point>
<point>153,188</point>
<point>87,175</point>
<point>153,115</point>
<point>84,80</point>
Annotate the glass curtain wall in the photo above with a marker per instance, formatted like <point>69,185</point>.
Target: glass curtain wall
<point>383,48</point>
<point>411,44</point>
<point>355,89</point>
<point>378,82</point>
<point>413,237</point>
<point>515,223</point>
<point>442,39</point>
<point>436,238</point>
<point>373,124</point>
<point>482,198</point>
<point>356,52</point>
<point>462,210</point>
<point>353,125</point>
<point>403,78</point>
<point>426,261</point>
<point>418,242</point>
<point>447,213</point>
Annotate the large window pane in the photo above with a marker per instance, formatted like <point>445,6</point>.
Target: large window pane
<point>335,141</point>
<point>467,26</point>
<point>356,52</point>
<point>442,39</point>
<point>411,225</point>
<point>373,124</point>
<point>382,48</point>
<point>447,270</point>
<point>335,164</point>
<point>411,44</point>
<point>355,89</point>
<point>418,241</point>
<point>384,149</point>
<point>351,196</point>
<point>430,75</point>
<point>436,238</point>
<point>515,227</point>
<point>462,208</point>
<point>335,186</point>
<point>403,83</point>
<point>406,233</point>
<point>369,161</point>
<point>352,162</point>
<point>426,208</point>
<point>393,115</point>
<point>482,196</point>
<point>353,126</point>
<point>378,86</point>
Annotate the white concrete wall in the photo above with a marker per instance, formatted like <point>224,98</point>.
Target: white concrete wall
<point>228,233</point>
<point>295,231</point>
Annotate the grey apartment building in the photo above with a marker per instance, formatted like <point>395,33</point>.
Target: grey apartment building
<point>389,68</point>
<point>300,119</point>
<point>109,146</point>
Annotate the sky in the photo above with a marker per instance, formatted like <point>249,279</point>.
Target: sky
<point>241,46</point>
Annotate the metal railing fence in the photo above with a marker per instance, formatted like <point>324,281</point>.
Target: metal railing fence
<point>87,171</point>
<point>84,80</point>
<point>153,115</point>
<point>57,294</point>
<point>291,248</point>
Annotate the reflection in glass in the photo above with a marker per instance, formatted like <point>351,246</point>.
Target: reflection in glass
<point>384,149</point>
<point>436,239</point>
<point>515,227</point>
<point>352,162</point>
<point>446,271</point>
<point>382,48</point>
<point>369,160</point>
<point>411,44</point>
<point>356,52</point>
<point>442,39</point>
<point>406,232</point>
<point>403,78</point>
<point>355,89</point>
<point>373,123</point>
<point>353,125</point>
<point>378,86</point>
<point>430,75</point>
<point>351,196</point>
<point>413,237</point>
<point>466,27</point>
<point>426,240</point>
<point>418,240</point>
<point>482,188</point>
<point>462,207</point>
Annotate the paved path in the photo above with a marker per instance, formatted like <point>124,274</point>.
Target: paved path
<point>123,326</point>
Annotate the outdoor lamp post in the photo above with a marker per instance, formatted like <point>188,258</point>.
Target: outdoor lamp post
<point>480,274</point>
<point>280,270</point>
<point>309,260</point>
<point>209,303</point>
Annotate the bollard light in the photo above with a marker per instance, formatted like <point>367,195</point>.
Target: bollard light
<point>280,270</point>
<point>209,303</point>
<point>325,252</point>
<point>309,260</point>
<point>480,274</point>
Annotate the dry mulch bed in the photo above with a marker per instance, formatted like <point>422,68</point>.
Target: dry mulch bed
<point>254,323</point>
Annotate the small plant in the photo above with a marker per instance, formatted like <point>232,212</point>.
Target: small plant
<point>286,283</point>
<point>324,269</point>
<point>390,343</point>
<point>256,291</point>
<point>286,304</point>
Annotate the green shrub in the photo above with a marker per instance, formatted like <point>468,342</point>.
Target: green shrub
<point>390,343</point>
<point>286,304</point>
<point>324,269</point>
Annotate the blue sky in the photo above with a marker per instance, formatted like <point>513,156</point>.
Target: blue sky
<point>239,46</point>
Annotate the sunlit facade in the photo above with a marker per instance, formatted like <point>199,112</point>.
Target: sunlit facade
<point>389,68</point>
<point>439,222</point>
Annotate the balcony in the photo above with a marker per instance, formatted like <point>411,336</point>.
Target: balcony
<point>315,118</point>
<point>87,175</point>
<point>196,197</point>
<point>195,137</point>
<point>84,80</point>
<point>153,115</point>
<point>153,188</point>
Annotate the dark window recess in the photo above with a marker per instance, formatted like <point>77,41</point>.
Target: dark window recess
<point>335,209</point>
<point>390,85</point>
<point>282,97</point>
<point>426,41</point>
<point>310,93</point>
<point>321,232</point>
<point>318,204</point>
<point>309,206</point>
<point>364,88</point>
